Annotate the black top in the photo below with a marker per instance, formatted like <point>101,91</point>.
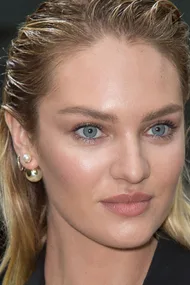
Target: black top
<point>170,266</point>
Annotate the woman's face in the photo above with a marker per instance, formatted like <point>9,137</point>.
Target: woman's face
<point>113,124</point>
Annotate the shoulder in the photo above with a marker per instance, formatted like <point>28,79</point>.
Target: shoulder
<point>37,277</point>
<point>1,280</point>
<point>173,252</point>
<point>170,264</point>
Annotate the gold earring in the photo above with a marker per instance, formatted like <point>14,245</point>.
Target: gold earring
<point>34,175</point>
<point>20,166</point>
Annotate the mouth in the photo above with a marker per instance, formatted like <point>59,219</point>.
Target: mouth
<point>128,205</point>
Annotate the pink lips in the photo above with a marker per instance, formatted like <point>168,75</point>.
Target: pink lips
<point>129,205</point>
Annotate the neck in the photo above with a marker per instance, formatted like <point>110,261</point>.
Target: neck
<point>73,259</point>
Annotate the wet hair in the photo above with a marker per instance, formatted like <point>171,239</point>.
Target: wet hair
<point>59,29</point>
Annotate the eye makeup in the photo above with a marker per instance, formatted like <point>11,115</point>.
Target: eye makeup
<point>82,130</point>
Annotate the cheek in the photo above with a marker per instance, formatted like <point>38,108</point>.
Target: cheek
<point>167,167</point>
<point>73,169</point>
<point>170,167</point>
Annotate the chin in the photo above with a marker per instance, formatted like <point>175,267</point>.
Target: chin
<point>133,242</point>
<point>130,240</point>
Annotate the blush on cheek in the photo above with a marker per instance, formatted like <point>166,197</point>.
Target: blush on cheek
<point>169,176</point>
<point>60,169</point>
<point>72,166</point>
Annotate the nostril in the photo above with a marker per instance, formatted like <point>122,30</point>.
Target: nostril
<point>133,168</point>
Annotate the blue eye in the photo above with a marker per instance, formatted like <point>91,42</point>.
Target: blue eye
<point>88,132</point>
<point>159,130</point>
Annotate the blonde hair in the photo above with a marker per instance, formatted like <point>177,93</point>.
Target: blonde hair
<point>71,25</point>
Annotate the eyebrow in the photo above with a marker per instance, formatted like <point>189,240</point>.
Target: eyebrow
<point>95,114</point>
<point>166,110</point>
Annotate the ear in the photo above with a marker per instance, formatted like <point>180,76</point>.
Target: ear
<point>21,142</point>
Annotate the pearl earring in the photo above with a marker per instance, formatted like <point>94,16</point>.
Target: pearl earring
<point>27,158</point>
<point>34,175</point>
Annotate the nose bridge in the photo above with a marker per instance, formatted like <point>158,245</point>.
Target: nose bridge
<point>131,161</point>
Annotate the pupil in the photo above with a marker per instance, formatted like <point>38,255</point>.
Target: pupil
<point>90,132</point>
<point>159,130</point>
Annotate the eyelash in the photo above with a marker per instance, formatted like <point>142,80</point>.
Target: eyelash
<point>87,140</point>
<point>171,125</point>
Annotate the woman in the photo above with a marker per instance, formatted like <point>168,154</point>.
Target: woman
<point>92,146</point>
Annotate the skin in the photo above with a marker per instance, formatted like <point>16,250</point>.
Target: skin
<point>88,244</point>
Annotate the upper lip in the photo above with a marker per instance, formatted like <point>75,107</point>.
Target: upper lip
<point>128,198</point>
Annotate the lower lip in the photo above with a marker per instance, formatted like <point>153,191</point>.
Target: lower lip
<point>127,209</point>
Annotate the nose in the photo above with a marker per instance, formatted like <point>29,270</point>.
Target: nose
<point>130,162</point>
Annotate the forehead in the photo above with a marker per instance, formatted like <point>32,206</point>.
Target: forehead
<point>116,74</point>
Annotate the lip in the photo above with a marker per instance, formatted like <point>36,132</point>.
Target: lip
<point>128,205</point>
<point>128,198</point>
